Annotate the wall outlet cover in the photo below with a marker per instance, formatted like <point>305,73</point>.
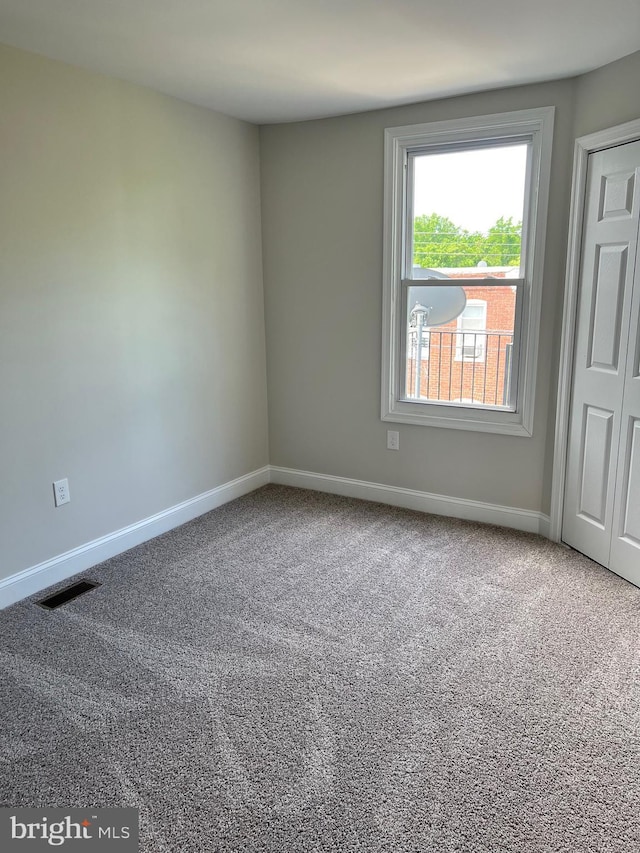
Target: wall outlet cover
<point>61,492</point>
<point>393,439</point>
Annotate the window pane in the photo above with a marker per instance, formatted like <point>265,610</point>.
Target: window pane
<point>473,316</point>
<point>468,207</point>
<point>460,344</point>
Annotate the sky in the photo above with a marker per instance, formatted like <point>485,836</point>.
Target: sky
<point>472,188</point>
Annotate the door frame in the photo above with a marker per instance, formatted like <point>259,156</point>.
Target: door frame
<point>584,146</point>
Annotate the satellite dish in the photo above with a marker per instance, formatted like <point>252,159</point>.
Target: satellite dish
<point>442,304</point>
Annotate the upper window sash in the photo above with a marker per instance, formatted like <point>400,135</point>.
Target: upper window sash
<point>410,154</point>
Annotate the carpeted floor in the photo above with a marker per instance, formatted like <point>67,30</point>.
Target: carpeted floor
<point>301,672</point>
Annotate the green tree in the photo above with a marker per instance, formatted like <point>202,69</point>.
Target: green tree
<point>503,242</point>
<point>439,242</point>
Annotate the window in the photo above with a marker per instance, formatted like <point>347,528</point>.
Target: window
<point>472,345</point>
<point>465,210</point>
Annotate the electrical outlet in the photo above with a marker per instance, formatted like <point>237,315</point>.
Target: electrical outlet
<point>393,439</point>
<point>61,492</point>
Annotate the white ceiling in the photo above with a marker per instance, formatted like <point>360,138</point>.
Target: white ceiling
<point>282,60</point>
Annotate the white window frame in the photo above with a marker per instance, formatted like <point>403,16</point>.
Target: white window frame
<point>533,126</point>
<point>461,332</point>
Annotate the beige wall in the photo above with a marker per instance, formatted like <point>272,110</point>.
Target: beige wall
<point>608,96</point>
<point>132,346</point>
<point>322,205</point>
<point>131,307</point>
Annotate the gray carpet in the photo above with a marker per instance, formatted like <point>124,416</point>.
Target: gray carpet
<point>301,672</point>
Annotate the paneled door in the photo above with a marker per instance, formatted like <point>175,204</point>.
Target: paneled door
<point>602,488</point>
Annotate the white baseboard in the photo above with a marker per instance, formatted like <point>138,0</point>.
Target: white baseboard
<point>544,528</point>
<point>506,516</point>
<point>36,578</point>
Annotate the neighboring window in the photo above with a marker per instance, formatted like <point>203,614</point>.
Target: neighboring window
<point>472,345</point>
<point>465,210</point>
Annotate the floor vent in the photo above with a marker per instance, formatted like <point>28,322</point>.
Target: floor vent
<point>67,594</point>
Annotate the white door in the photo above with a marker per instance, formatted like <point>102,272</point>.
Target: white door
<point>602,489</point>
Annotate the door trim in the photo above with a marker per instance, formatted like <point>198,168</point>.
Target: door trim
<point>584,146</point>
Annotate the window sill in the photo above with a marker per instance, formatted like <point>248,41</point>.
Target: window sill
<point>499,421</point>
